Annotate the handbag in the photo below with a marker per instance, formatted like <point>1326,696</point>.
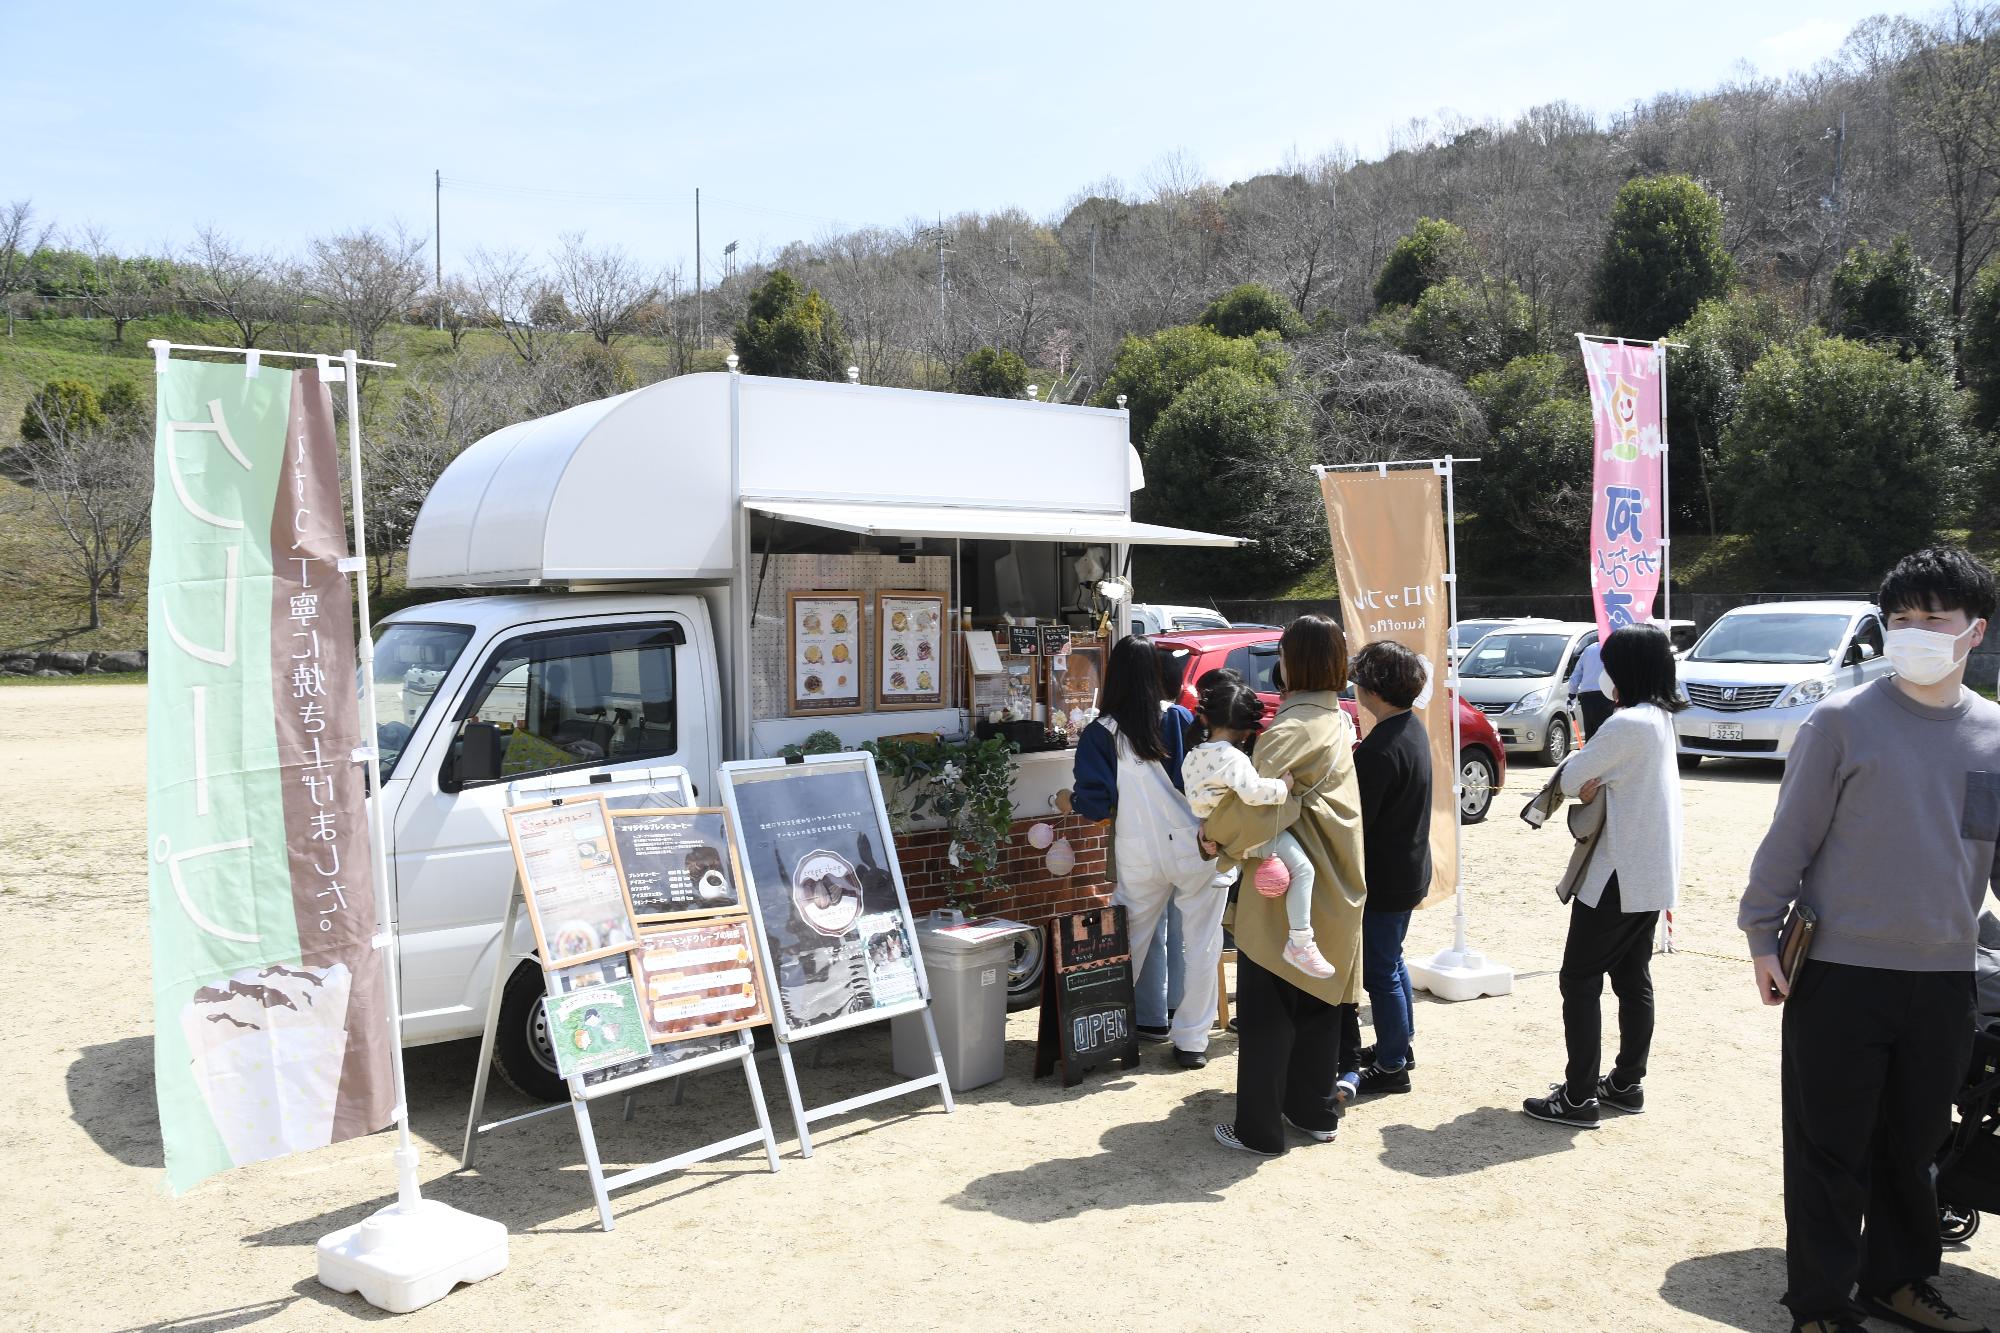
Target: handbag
<point>1586,825</point>
<point>1795,942</point>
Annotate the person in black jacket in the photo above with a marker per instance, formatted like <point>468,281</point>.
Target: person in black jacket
<point>1394,767</point>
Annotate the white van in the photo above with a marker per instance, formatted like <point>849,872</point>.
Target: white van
<point>1160,618</point>
<point>1760,670</point>
<point>636,552</point>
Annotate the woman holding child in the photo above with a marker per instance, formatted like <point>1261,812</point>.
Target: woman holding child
<point>1288,1015</point>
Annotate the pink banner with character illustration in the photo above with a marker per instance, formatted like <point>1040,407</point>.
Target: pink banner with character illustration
<point>1628,478</point>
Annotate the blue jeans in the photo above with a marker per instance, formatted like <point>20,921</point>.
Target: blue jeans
<point>1387,982</point>
<point>1163,978</point>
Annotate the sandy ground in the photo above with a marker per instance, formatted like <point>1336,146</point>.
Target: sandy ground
<point>1107,1203</point>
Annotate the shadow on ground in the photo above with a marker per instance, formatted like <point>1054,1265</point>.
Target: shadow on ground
<point>1165,1161</point>
<point>111,1099</point>
<point>1740,1289</point>
<point>1473,1142</point>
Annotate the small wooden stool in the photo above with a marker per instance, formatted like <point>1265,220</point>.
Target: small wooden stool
<point>1222,988</point>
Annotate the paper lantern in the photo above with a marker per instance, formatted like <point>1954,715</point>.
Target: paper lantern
<point>1061,859</point>
<point>1041,835</point>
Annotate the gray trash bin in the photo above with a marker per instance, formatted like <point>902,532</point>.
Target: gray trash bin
<point>966,962</point>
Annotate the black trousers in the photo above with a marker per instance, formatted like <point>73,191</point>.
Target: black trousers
<point>1872,1060</point>
<point>1286,1058</point>
<point>1595,709</point>
<point>1604,941</point>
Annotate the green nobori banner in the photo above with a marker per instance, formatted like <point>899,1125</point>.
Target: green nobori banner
<point>269,999</point>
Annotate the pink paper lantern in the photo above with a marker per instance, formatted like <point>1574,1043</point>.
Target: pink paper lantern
<point>1061,859</point>
<point>1041,835</point>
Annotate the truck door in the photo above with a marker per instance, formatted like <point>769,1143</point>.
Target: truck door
<point>572,699</point>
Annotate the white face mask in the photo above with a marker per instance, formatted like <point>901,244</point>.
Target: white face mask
<point>1923,656</point>
<point>1608,687</point>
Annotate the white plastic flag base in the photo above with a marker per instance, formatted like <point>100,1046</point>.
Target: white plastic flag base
<point>405,1257</point>
<point>1454,975</point>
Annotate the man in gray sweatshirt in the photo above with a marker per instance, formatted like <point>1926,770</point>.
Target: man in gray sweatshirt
<point>1886,826</point>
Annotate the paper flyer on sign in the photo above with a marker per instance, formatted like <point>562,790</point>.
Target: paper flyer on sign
<point>892,966</point>
<point>595,1027</point>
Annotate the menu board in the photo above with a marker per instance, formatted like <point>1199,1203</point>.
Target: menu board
<point>678,862</point>
<point>816,850</point>
<point>1054,639</point>
<point>910,644</point>
<point>700,977</point>
<point>1088,1015</point>
<point>570,879</point>
<point>595,1027</point>
<point>1024,640</point>
<point>1076,678</point>
<point>824,637</point>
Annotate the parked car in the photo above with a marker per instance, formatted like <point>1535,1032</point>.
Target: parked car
<point>1160,618</point>
<point>1682,633</point>
<point>1518,676</point>
<point>1468,632</point>
<point>1482,761</point>
<point>1760,670</point>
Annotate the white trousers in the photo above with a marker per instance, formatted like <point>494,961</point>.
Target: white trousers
<point>1144,892</point>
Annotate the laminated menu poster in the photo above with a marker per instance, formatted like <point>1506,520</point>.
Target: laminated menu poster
<point>1088,1016</point>
<point>815,849</point>
<point>678,862</point>
<point>824,638</point>
<point>700,977</point>
<point>570,879</point>
<point>595,1026</point>
<point>910,650</point>
<point>1075,679</point>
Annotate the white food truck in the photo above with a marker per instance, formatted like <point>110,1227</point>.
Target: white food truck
<point>638,558</point>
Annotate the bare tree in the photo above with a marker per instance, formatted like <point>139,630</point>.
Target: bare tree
<point>365,279</point>
<point>604,289</point>
<point>238,285</point>
<point>506,288</point>
<point>121,288</point>
<point>18,240</point>
<point>94,483</point>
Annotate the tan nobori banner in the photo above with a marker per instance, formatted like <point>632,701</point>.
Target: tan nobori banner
<point>1389,555</point>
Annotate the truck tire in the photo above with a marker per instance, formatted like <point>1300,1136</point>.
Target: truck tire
<point>521,1050</point>
<point>1024,974</point>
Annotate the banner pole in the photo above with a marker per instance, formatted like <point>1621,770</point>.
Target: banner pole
<point>1460,930</point>
<point>1666,941</point>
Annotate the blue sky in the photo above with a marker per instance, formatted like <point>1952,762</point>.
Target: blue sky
<point>278,121</point>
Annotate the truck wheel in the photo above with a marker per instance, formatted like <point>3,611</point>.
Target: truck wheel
<point>1024,974</point>
<point>1475,774</point>
<point>521,1049</point>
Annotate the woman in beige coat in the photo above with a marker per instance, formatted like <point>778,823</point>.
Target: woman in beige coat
<point>1289,1023</point>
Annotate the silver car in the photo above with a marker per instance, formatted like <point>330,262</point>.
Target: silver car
<point>1760,670</point>
<point>1518,676</point>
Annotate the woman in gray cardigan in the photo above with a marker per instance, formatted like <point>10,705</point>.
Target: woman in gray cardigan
<point>1633,876</point>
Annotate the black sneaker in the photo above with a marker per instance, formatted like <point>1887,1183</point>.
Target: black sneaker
<point>1558,1109</point>
<point>1191,1059</point>
<point>1632,1100</point>
<point>1226,1136</point>
<point>1154,1034</point>
<point>1316,1135</point>
<point>1368,1057</point>
<point>1377,1080</point>
<point>1918,1305</point>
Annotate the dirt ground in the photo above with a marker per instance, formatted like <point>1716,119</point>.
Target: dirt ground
<point>1107,1203</point>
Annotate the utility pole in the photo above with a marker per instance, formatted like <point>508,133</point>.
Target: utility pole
<point>941,278</point>
<point>437,238</point>
<point>700,331</point>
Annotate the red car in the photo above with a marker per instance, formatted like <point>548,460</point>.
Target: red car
<point>1189,654</point>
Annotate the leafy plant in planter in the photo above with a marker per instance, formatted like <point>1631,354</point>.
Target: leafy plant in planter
<point>819,742</point>
<point>966,784</point>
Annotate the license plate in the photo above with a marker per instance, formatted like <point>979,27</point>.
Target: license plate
<point>1725,731</point>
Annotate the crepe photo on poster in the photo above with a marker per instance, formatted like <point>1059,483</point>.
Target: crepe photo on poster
<point>595,1026</point>
<point>892,961</point>
<point>569,871</point>
<point>815,852</point>
<point>699,977</point>
<point>677,862</point>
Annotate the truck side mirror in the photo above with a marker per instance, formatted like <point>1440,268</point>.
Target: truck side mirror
<point>479,747</point>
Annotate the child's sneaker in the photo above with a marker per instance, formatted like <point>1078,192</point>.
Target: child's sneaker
<point>1273,877</point>
<point>1347,1087</point>
<point>1301,952</point>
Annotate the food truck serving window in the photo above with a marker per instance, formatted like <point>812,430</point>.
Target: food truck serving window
<point>579,698</point>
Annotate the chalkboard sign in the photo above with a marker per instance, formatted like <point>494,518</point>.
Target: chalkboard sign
<point>1024,640</point>
<point>1088,1018</point>
<point>816,852</point>
<point>678,862</point>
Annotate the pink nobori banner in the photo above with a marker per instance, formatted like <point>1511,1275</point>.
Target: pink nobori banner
<point>1628,478</point>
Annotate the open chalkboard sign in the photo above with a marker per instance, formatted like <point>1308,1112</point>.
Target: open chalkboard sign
<point>1088,1017</point>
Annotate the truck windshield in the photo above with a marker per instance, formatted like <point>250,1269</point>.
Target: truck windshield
<point>411,661</point>
<point>1515,657</point>
<point>1767,636</point>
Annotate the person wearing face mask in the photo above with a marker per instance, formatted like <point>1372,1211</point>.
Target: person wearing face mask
<point>1886,827</point>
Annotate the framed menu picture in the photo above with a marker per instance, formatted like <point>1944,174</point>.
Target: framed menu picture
<point>910,650</point>
<point>701,977</point>
<point>823,636</point>
<point>1075,678</point>
<point>679,862</point>
<point>571,880</point>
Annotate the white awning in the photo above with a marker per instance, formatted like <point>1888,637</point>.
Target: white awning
<point>1041,525</point>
